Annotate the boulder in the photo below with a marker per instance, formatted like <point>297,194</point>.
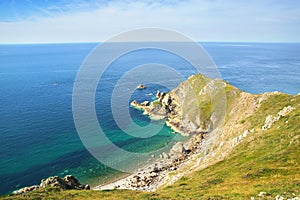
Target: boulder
<point>178,148</point>
<point>71,181</point>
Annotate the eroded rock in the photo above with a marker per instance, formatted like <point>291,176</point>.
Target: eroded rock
<point>68,182</point>
<point>270,120</point>
<point>285,111</point>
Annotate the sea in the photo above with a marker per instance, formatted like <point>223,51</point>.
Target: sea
<point>38,137</point>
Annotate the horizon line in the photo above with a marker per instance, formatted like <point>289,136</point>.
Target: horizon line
<point>99,42</point>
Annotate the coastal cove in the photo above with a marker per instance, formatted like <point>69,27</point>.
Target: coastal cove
<point>214,142</point>
<point>248,117</point>
<point>38,138</point>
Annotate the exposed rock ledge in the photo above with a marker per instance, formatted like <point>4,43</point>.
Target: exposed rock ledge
<point>66,183</point>
<point>270,120</point>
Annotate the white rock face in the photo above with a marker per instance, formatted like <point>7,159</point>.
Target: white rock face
<point>270,120</point>
<point>285,111</point>
<point>261,194</point>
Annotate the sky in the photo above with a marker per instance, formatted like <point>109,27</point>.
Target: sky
<point>54,21</point>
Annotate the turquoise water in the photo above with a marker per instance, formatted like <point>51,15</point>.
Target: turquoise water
<point>37,132</point>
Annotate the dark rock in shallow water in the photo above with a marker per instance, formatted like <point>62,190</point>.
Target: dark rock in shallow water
<point>140,87</point>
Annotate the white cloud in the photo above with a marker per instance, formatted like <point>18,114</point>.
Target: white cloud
<point>201,20</point>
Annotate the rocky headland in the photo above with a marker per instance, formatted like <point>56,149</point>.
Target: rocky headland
<point>216,117</point>
<point>213,114</point>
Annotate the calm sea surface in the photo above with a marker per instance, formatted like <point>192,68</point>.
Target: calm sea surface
<point>37,132</point>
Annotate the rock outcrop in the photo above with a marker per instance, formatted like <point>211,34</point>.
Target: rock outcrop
<point>141,106</point>
<point>69,182</point>
<point>178,148</point>
<point>141,87</point>
<point>188,109</point>
<point>285,111</point>
<point>270,120</point>
<point>148,178</point>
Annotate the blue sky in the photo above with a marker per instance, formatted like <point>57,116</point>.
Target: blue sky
<point>46,21</point>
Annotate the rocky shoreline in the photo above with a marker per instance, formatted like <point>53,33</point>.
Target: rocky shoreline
<point>149,178</point>
<point>208,142</point>
<point>177,108</point>
<point>152,176</point>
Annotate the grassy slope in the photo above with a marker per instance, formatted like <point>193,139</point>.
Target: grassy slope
<point>266,161</point>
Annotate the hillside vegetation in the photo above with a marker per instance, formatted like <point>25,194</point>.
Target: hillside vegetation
<point>255,153</point>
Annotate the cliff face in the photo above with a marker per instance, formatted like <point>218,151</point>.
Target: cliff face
<point>200,104</point>
<point>226,115</point>
<point>196,106</point>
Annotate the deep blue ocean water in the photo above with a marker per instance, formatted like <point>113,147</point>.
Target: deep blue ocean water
<point>37,132</point>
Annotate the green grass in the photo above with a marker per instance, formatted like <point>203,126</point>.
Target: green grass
<point>156,103</point>
<point>271,107</point>
<point>267,163</point>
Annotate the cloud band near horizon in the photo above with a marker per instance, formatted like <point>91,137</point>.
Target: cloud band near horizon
<point>97,20</point>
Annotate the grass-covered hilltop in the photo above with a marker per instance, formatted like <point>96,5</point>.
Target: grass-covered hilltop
<point>249,147</point>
